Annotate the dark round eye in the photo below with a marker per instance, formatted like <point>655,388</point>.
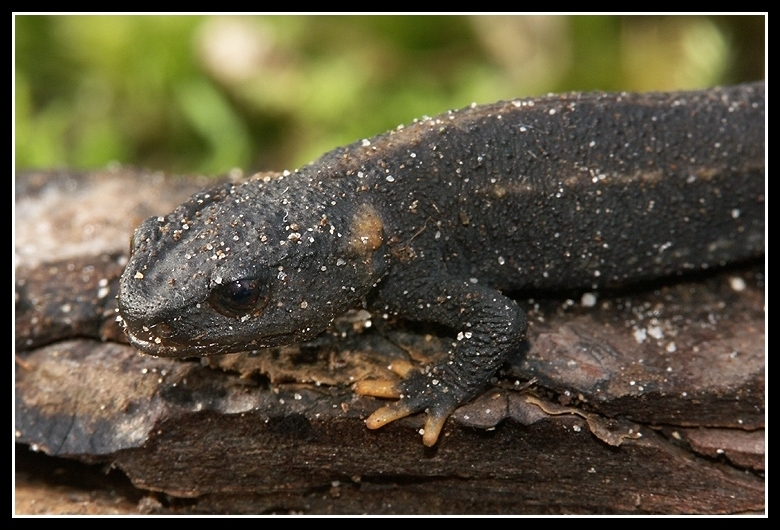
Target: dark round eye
<point>240,297</point>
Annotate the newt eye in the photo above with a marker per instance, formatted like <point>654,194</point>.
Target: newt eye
<point>240,297</point>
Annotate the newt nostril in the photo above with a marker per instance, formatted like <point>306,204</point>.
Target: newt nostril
<point>163,330</point>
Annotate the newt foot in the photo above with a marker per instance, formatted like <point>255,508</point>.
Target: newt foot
<point>417,392</point>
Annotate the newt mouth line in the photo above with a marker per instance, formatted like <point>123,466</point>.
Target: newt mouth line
<point>157,346</point>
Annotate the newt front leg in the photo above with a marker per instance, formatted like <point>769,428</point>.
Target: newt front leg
<point>488,325</point>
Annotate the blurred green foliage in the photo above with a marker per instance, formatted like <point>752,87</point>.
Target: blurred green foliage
<point>210,93</point>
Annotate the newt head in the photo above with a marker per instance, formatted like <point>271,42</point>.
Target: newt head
<point>248,266</point>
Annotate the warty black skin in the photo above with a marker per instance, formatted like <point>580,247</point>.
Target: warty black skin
<point>435,220</point>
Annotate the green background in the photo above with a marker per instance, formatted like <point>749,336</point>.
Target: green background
<point>207,94</point>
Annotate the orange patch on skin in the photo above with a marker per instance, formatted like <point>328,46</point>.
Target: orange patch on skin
<point>366,232</point>
<point>383,388</point>
<point>401,368</point>
<point>433,423</point>
<point>433,427</point>
<point>388,413</point>
<point>386,388</point>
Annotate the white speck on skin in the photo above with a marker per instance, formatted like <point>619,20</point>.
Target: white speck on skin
<point>737,284</point>
<point>588,300</point>
<point>655,331</point>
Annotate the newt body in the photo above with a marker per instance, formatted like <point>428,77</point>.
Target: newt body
<point>434,221</point>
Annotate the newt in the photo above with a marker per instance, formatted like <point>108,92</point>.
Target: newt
<point>439,220</point>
